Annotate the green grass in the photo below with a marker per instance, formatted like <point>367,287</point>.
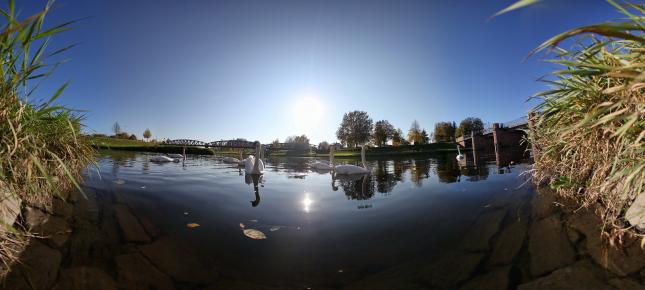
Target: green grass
<point>137,145</point>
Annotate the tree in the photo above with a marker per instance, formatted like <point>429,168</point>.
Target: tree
<point>323,146</point>
<point>116,128</point>
<point>301,142</point>
<point>425,139</point>
<point>444,131</point>
<point>470,124</point>
<point>275,142</point>
<point>383,132</point>
<point>355,129</point>
<point>147,134</point>
<point>398,138</point>
<point>132,137</point>
<point>414,135</point>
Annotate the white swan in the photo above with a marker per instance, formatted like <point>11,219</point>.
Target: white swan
<point>161,158</point>
<point>353,169</point>
<point>230,160</point>
<point>459,155</point>
<point>176,156</point>
<point>254,165</point>
<point>323,165</point>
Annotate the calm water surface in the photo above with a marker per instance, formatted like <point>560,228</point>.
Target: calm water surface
<point>321,229</point>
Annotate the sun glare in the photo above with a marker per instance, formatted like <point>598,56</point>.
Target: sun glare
<point>308,111</point>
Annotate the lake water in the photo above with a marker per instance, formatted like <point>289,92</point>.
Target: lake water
<point>321,230</point>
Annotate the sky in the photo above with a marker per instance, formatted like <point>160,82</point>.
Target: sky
<point>261,70</point>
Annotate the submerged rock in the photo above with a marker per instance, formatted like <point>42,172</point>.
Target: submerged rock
<point>135,272</point>
<point>622,260</point>
<point>580,276</point>
<point>479,235</point>
<point>549,246</point>
<point>495,279</point>
<point>509,244</point>
<point>81,278</point>
<point>130,226</point>
<point>55,229</point>
<point>38,268</point>
<point>177,261</point>
<point>451,269</point>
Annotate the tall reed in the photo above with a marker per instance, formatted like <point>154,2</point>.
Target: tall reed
<point>589,127</point>
<point>41,151</point>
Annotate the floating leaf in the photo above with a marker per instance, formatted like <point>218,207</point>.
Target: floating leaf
<point>241,225</point>
<point>254,234</point>
<point>119,181</point>
<point>274,228</point>
<point>192,225</point>
<point>185,213</point>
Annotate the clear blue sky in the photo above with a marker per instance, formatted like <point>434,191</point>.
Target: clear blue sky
<point>213,70</point>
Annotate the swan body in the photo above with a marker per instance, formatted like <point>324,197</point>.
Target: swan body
<point>353,169</point>
<point>324,165</point>
<point>161,158</point>
<point>176,156</point>
<point>459,155</point>
<point>253,165</point>
<point>230,160</point>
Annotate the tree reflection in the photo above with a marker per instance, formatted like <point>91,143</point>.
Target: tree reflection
<point>385,181</point>
<point>447,168</point>
<point>419,171</point>
<point>355,186</point>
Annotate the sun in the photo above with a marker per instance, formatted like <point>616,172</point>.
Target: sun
<point>308,111</point>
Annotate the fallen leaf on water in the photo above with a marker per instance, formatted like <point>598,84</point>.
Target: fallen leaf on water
<point>254,234</point>
<point>241,225</point>
<point>143,187</point>
<point>185,213</point>
<point>274,228</point>
<point>192,225</point>
<point>119,181</point>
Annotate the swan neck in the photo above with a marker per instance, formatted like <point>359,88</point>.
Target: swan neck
<point>363,157</point>
<point>331,155</point>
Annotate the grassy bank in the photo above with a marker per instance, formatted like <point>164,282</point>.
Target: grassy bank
<point>136,145</point>
<point>41,154</point>
<point>589,129</point>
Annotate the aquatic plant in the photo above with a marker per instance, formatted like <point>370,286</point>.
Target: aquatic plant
<point>41,149</point>
<point>588,129</point>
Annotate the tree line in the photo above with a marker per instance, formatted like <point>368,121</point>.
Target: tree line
<point>357,128</point>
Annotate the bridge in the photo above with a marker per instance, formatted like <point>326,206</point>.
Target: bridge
<point>508,135</point>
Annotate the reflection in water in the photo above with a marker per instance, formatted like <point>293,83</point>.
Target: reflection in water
<point>313,229</point>
<point>256,180</point>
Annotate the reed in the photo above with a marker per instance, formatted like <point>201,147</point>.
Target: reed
<point>588,128</point>
<point>41,151</point>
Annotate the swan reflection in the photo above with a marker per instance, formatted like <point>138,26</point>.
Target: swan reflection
<point>256,180</point>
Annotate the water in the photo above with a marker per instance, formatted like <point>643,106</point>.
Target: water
<point>321,230</point>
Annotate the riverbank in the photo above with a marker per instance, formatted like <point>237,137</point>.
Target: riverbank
<point>136,145</point>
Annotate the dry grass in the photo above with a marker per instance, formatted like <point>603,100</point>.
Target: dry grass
<point>589,128</point>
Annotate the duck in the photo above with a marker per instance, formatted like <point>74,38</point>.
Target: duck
<point>353,169</point>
